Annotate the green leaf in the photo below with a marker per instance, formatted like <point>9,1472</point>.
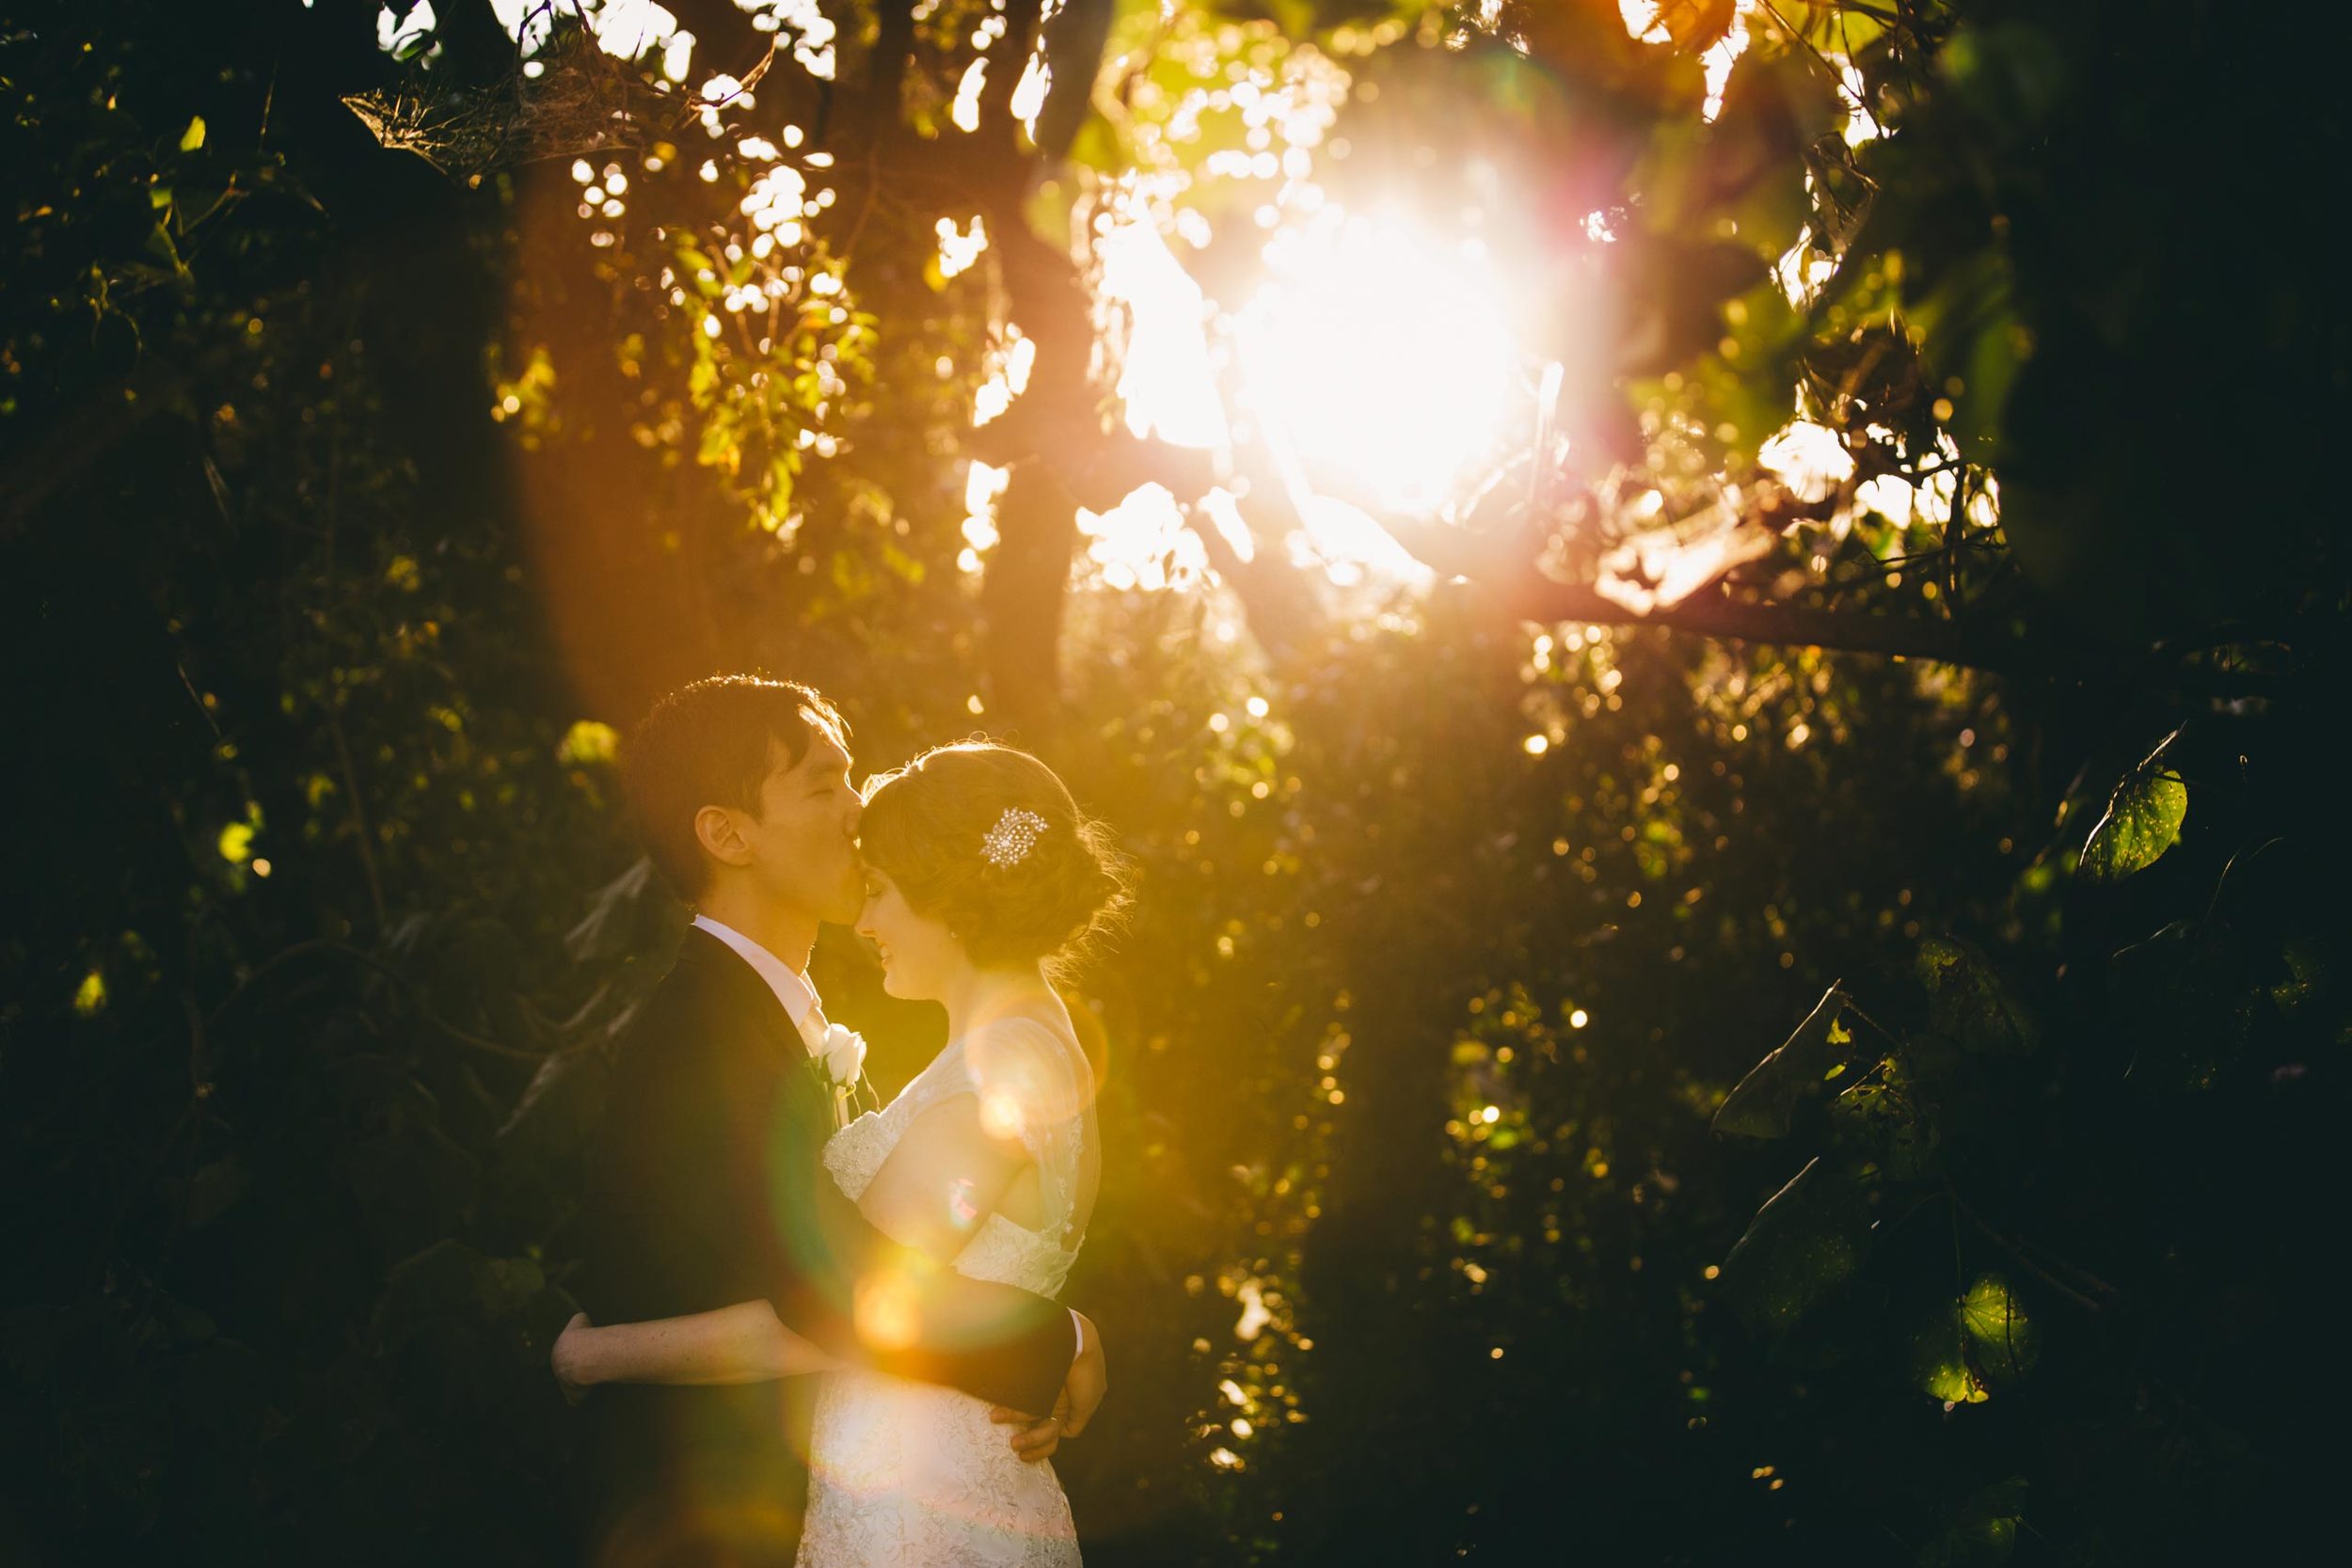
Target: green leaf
<point>1801,1247</point>
<point>2001,1338</point>
<point>215,1190</point>
<point>1979,1340</point>
<point>588,742</point>
<point>2182,999</point>
<point>1095,145</point>
<point>411,44</point>
<point>193,138</point>
<point>1967,1000</point>
<point>1983,1531</point>
<point>2310,974</point>
<point>1760,1106</point>
<point>1881,1112</point>
<point>1940,1364</point>
<point>2143,820</point>
<point>504,1286</point>
<point>1972,348</point>
<point>622,915</point>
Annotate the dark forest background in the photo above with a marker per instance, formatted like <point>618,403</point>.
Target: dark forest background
<point>1840,1063</point>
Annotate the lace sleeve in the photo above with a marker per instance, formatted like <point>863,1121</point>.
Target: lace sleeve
<point>1029,1080</point>
<point>1033,1085</point>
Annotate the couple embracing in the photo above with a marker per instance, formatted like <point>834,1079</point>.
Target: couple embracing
<point>742,1229</point>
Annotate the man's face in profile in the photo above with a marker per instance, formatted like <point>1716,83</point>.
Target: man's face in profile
<point>805,843</point>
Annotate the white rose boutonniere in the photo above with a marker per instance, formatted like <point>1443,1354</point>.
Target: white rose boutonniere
<point>843,1054</point>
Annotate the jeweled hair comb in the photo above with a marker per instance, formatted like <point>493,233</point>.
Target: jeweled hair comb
<point>1009,843</point>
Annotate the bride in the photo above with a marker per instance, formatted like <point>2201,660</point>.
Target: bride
<point>983,875</point>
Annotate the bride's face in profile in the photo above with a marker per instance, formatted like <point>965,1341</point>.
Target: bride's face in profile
<point>918,954</point>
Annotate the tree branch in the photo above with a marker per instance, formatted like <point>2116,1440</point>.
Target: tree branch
<point>1713,612</point>
<point>1999,650</point>
<point>1007,60</point>
<point>886,71</point>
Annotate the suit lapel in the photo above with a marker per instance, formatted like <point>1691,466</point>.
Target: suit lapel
<point>755,1020</point>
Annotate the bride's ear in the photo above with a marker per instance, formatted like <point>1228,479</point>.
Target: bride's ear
<point>715,829</point>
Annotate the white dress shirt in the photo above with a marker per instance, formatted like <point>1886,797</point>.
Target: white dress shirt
<point>791,986</point>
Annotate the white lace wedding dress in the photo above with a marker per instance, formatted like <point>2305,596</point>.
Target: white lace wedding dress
<point>915,1476</point>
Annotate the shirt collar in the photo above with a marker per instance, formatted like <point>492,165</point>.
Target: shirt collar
<point>791,989</point>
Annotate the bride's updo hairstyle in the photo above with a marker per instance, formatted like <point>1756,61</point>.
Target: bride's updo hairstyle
<point>987,840</point>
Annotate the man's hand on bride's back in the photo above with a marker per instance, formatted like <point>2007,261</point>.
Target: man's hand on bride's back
<point>1081,1395</point>
<point>565,1358</point>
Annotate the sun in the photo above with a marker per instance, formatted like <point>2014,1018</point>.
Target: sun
<point>1379,356</point>
<point>1377,361</point>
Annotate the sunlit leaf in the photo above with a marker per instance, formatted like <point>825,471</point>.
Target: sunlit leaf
<point>2143,820</point>
<point>588,740</point>
<point>1695,24</point>
<point>2001,1338</point>
<point>1940,1363</point>
<point>1982,1339</point>
<point>1760,1106</point>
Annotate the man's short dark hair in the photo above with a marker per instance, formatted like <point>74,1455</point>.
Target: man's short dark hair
<point>706,744</point>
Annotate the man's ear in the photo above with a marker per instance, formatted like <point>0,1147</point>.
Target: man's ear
<point>715,828</point>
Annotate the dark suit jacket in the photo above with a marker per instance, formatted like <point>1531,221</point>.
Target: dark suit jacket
<point>706,1188</point>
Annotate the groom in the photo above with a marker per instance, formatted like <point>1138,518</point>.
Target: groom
<point>705,1187</point>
